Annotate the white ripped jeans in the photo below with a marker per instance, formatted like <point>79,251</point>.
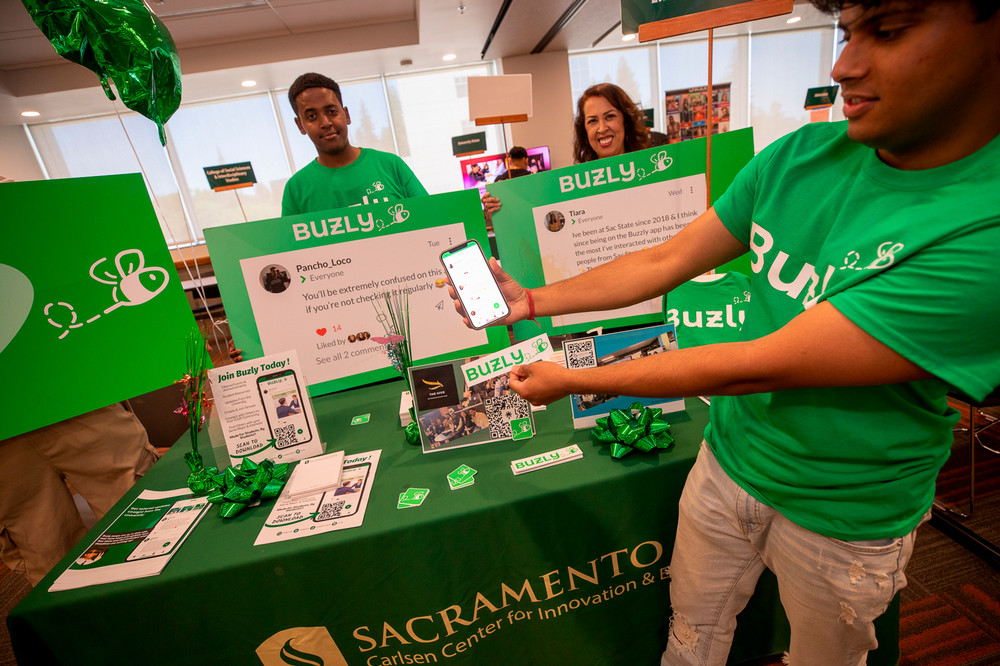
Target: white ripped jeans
<point>831,590</point>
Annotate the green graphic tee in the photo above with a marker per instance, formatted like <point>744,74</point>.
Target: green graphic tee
<point>708,309</point>
<point>900,253</point>
<point>374,177</point>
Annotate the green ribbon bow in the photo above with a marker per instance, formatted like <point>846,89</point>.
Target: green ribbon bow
<point>237,488</point>
<point>636,428</point>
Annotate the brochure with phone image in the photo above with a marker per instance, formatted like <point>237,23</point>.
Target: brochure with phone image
<point>264,409</point>
<point>453,413</point>
<point>339,508</point>
<point>474,284</point>
<point>610,349</point>
<point>140,541</point>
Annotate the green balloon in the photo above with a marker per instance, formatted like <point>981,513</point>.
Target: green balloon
<point>119,40</point>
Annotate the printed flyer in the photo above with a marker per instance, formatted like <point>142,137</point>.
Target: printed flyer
<point>264,410</point>
<point>453,413</point>
<point>609,349</point>
<point>140,542</point>
<point>311,283</point>
<point>558,224</point>
<point>326,511</point>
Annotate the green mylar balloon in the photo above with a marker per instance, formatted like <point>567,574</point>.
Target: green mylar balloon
<point>121,40</point>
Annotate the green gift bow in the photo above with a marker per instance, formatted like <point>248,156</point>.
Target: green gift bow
<point>238,487</point>
<point>638,427</point>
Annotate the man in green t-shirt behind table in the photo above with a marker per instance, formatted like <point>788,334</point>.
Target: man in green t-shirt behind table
<point>870,241</point>
<point>342,174</point>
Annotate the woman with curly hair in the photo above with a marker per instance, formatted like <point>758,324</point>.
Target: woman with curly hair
<point>608,123</point>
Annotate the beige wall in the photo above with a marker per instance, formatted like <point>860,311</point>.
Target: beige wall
<point>17,160</point>
<point>551,123</point>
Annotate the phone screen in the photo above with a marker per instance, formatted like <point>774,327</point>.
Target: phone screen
<point>345,500</point>
<point>282,400</point>
<point>474,283</point>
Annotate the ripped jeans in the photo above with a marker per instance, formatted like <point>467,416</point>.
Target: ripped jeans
<point>831,590</point>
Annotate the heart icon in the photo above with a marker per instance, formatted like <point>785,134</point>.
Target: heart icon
<point>18,296</point>
<point>320,331</point>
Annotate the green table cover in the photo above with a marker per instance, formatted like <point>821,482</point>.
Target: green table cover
<point>565,565</point>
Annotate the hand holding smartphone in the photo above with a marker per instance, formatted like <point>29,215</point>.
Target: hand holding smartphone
<point>474,284</point>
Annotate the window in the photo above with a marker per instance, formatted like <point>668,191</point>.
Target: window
<point>100,147</point>
<point>631,69</point>
<point>685,65</point>
<point>785,65</point>
<point>428,109</point>
<point>228,132</point>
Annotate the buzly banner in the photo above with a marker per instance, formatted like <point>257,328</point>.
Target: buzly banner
<point>317,283</point>
<point>93,310</point>
<point>561,223</point>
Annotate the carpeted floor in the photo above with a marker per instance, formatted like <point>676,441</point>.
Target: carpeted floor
<point>950,609</point>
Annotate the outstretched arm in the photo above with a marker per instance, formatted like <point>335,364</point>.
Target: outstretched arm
<point>819,347</point>
<point>701,246</point>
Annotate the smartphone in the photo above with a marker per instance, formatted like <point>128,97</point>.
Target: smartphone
<point>283,406</point>
<point>474,283</point>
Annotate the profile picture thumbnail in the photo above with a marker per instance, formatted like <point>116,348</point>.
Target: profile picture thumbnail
<point>274,278</point>
<point>554,220</point>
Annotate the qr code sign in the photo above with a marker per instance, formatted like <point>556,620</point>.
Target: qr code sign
<point>284,436</point>
<point>504,409</point>
<point>580,353</point>
<point>330,510</point>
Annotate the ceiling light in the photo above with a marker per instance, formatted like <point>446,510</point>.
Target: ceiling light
<point>628,38</point>
<point>794,19</point>
<point>30,114</point>
<point>249,83</point>
<point>448,57</point>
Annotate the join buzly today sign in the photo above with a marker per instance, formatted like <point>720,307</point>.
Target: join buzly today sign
<point>93,310</point>
<point>316,282</point>
<point>557,224</point>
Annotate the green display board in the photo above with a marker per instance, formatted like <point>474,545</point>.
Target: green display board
<point>556,224</point>
<point>638,12</point>
<point>314,282</point>
<point>93,309</point>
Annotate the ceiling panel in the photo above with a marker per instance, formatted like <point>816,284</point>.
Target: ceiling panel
<point>224,27</point>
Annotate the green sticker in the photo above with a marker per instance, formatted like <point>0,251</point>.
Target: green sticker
<point>361,418</point>
<point>521,428</point>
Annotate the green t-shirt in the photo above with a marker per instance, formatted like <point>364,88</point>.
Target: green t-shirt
<point>375,176</point>
<point>909,256</point>
<point>708,309</point>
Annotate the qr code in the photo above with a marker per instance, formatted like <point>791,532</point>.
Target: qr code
<point>580,353</point>
<point>284,436</point>
<point>504,409</point>
<point>330,510</point>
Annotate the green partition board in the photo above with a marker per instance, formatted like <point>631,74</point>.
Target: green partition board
<point>514,225</point>
<point>639,12</point>
<point>369,238</point>
<point>93,309</point>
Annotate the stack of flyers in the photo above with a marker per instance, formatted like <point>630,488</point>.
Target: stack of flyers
<point>412,497</point>
<point>557,457</point>
<point>463,477</point>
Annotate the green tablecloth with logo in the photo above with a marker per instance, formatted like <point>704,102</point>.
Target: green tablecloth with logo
<point>565,565</point>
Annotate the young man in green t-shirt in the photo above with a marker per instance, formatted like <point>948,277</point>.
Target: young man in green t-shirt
<point>830,422</point>
<point>342,174</point>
